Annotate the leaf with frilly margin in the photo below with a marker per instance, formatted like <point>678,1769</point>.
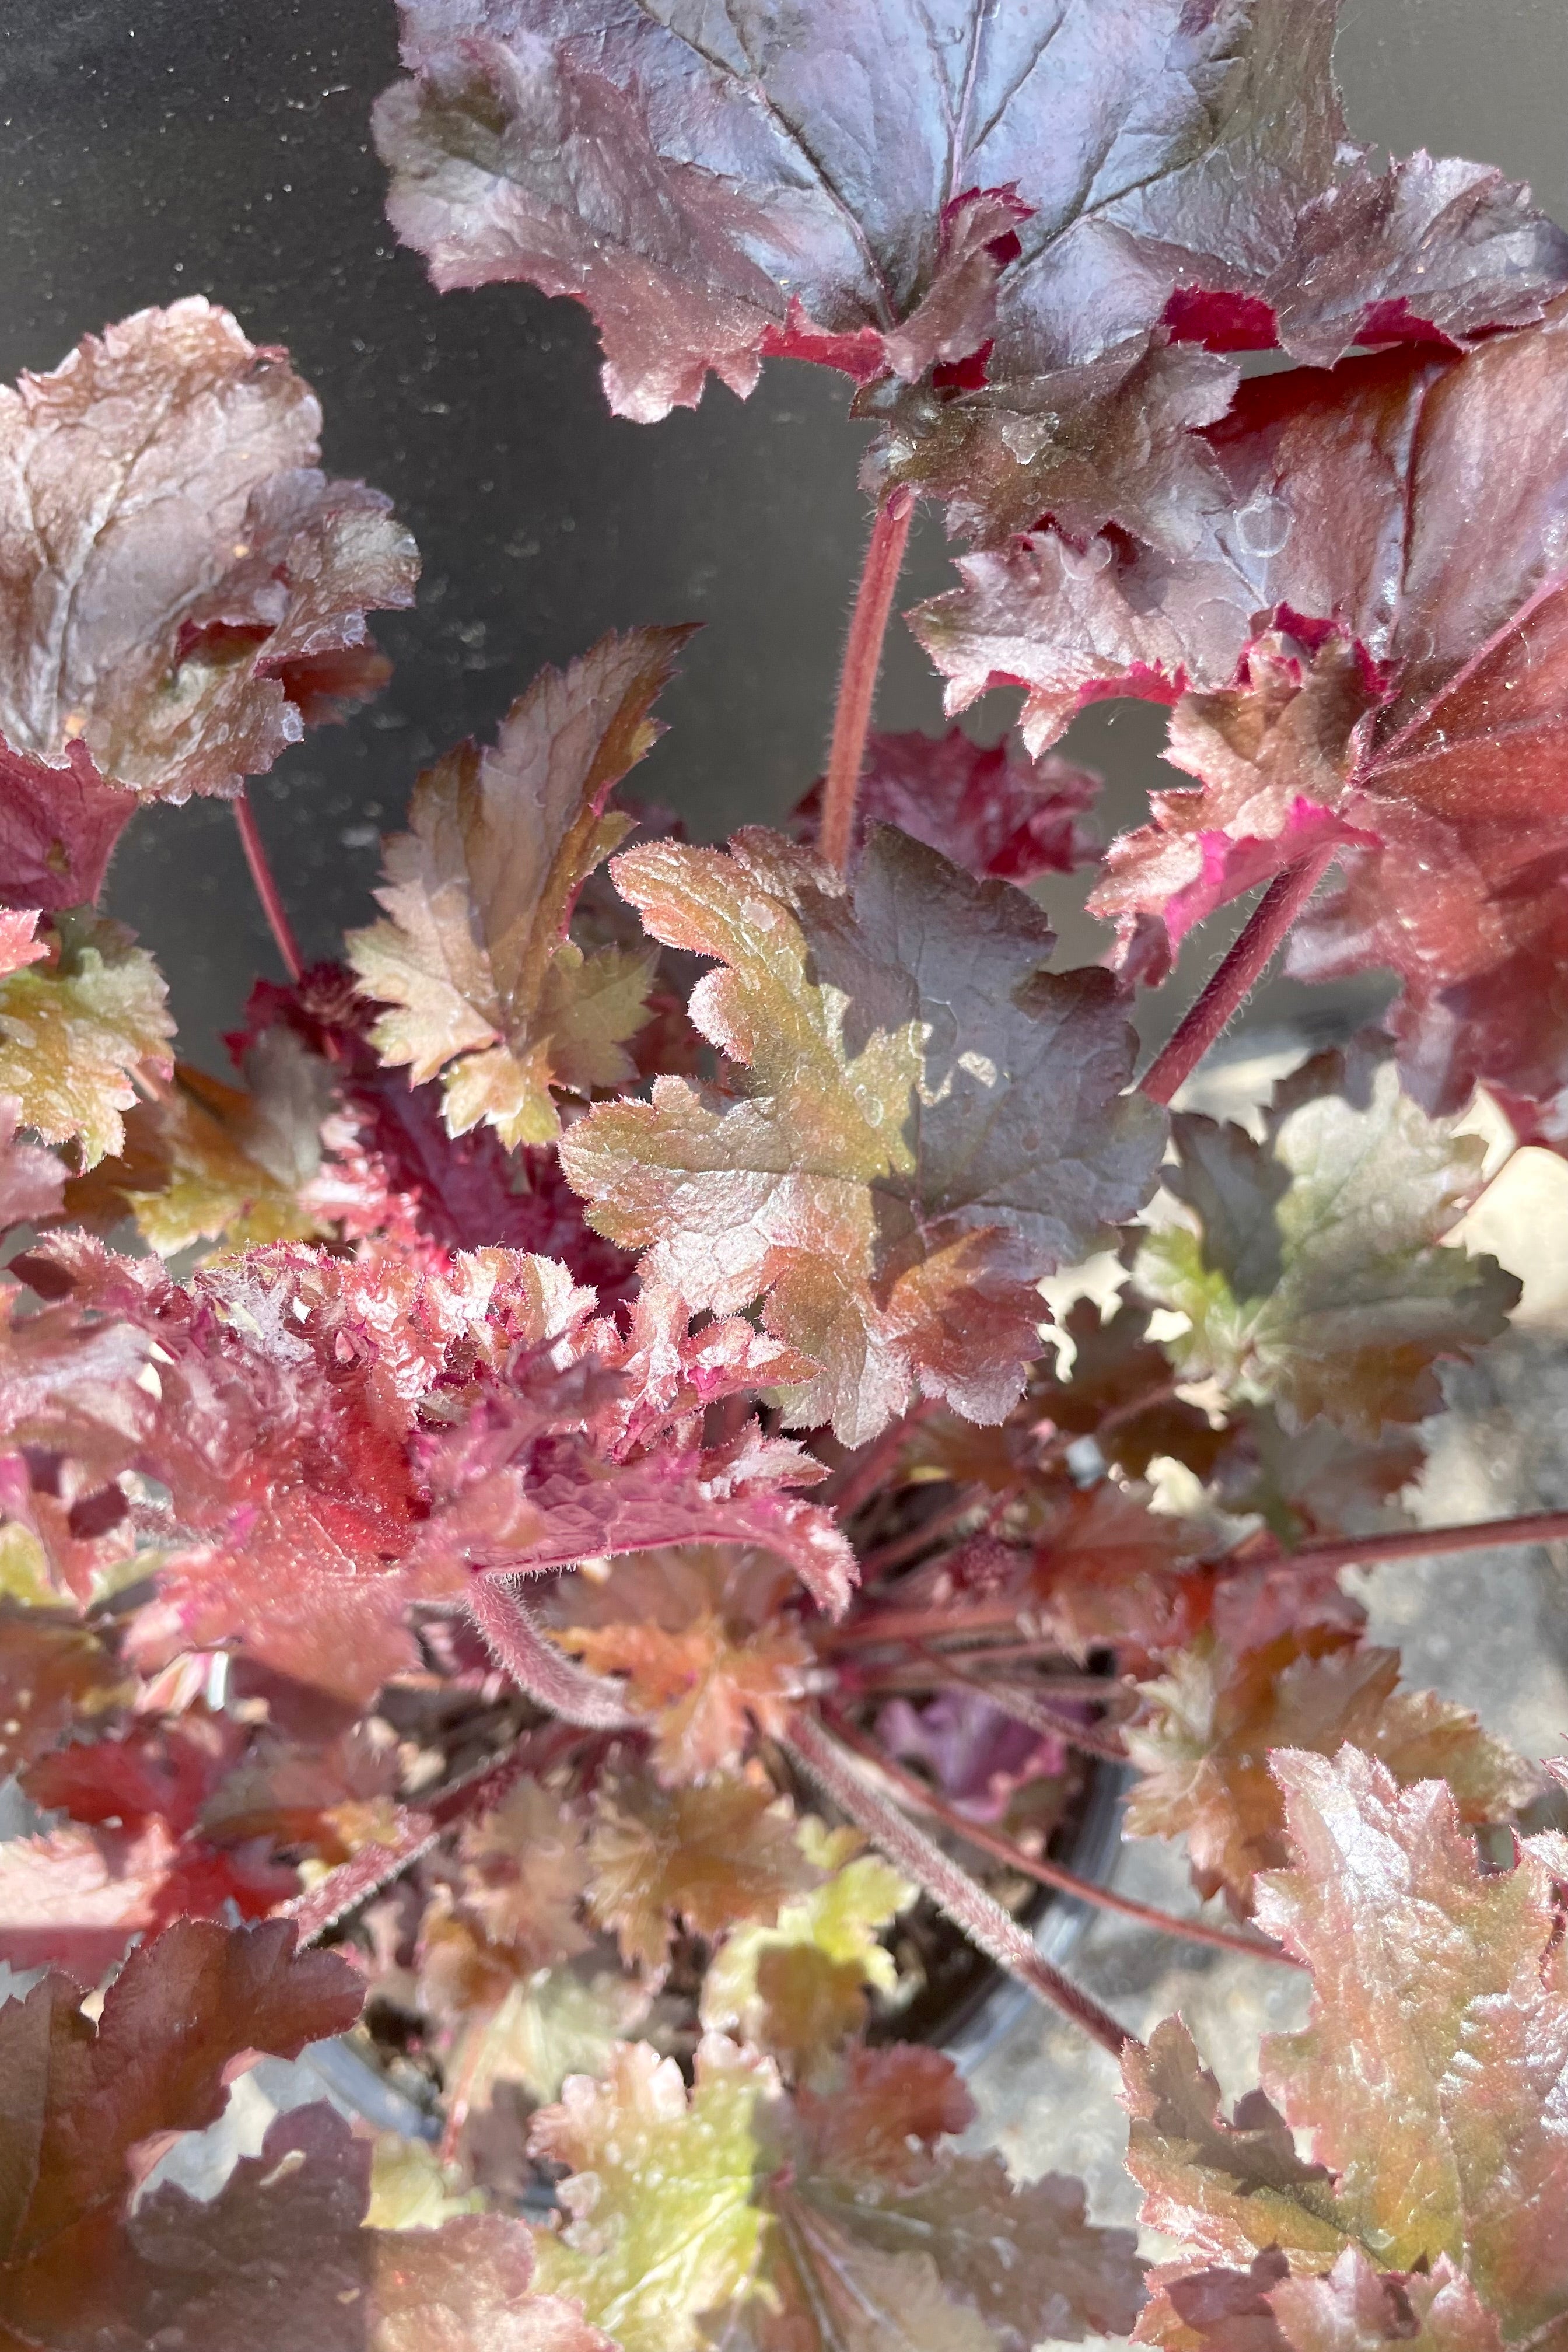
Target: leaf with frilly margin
<point>1352,2309</point>
<point>517,1503</point>
<point>1425,2085</point>
<point>932,1121</point>
<point>282,1422</point>
<point>714,1856</point>
<point>1112,439</point>
<point>864,2191</point>
<point>1272,755</point>
<point>1446,2142</point>
<point>183,590</point>
<point>524,1872</point>
<point>909,199</point>
<point>77,1030</point>
<point>89,2105</point>
<point>18,946</point>
<point>661,2230</point>
<point>474,955</point>
<point>1213,1720</point>
<point>1223,2190</point>
<point>1317,472</point>
<point>1349,1198</point>
<point>697,1630</point>
<point>798,1988</point>
<point>992,809</point>
<point>1389,496</point>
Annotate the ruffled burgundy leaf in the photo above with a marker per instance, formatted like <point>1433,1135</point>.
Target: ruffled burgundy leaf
<point>980,199</point>
<point>183,590</point>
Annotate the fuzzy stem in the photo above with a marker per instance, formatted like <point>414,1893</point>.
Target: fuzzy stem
<point>858,681</point>
<point>511,1635</point>
<point>886,1557</point>
<point>1420,1543</point>
<point>266,888</point>
<point>992,1929</point>
<point>1051,1874</point>
<point>1036,1712</point>
<point>1237,978</point>
<point>954,1621</point>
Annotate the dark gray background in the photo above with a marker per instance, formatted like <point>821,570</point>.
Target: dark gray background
<point>155,148</point>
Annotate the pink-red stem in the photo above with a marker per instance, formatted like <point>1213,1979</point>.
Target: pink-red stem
<point>266,888</point>
<point>1237,978</point>
<point>1036,1712</point>
<point>958,1622</point>
<point>857,683</point>
<point>1047,1873</point>
<point>512,1636</point>
<point>1420,1543</point>
<point>988,1927</point>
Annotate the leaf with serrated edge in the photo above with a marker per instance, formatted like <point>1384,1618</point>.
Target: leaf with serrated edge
<point>1439,2029</point>
<point>183,590</point>
<point>695,1630</point>
<point>921,204</point>
<point>932,1121</point>
<point>75,1032</point>
<point>473,955</point>
<point>868,2193</point>
<point>1213,1720</point>
<point>714,1856</point>
<point>798,1989</point>
<point>1351,1197</point>
<point>660,2229</point>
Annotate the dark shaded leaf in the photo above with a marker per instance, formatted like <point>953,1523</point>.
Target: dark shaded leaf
<point>894,194</point>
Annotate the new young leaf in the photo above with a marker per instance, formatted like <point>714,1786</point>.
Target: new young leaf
<point>474,955</point>
<point>1318,1278</point>
<point>75,1031</point>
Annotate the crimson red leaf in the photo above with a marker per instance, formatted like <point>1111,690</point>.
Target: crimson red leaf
<point>992,810</point>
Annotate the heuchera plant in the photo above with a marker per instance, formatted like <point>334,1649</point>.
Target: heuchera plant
<point>555,1478</point>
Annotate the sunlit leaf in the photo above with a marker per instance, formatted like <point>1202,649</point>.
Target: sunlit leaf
<point>75,1031</point>
<point>474,956</point>
<point>930,1120</point>
<point>1315,1275</point>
